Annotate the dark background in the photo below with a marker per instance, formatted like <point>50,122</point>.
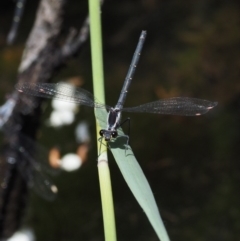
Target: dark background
<point>192,163</point>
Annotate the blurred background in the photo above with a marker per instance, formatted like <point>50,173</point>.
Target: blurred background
<point>192,163</point>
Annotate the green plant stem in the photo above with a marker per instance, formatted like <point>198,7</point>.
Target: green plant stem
<point>98,89</point>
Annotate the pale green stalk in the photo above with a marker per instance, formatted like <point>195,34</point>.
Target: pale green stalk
<point>98,87</point>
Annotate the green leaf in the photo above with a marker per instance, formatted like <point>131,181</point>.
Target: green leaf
<point>135,178</point>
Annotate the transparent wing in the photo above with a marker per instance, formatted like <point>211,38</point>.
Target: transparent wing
<point>60,91</point>
<point>175,106</point>
<point>39,155</point>
<point>33,174</point>
<point>32,161</point>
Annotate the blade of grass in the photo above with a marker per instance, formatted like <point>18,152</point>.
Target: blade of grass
<point>136,180</point>
<point>98,87</point>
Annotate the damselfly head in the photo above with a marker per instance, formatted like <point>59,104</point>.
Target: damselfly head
<point>108,134</point>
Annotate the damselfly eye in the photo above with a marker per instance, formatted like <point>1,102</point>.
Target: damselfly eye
<point>101,132</point>
<point>114,134</point>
